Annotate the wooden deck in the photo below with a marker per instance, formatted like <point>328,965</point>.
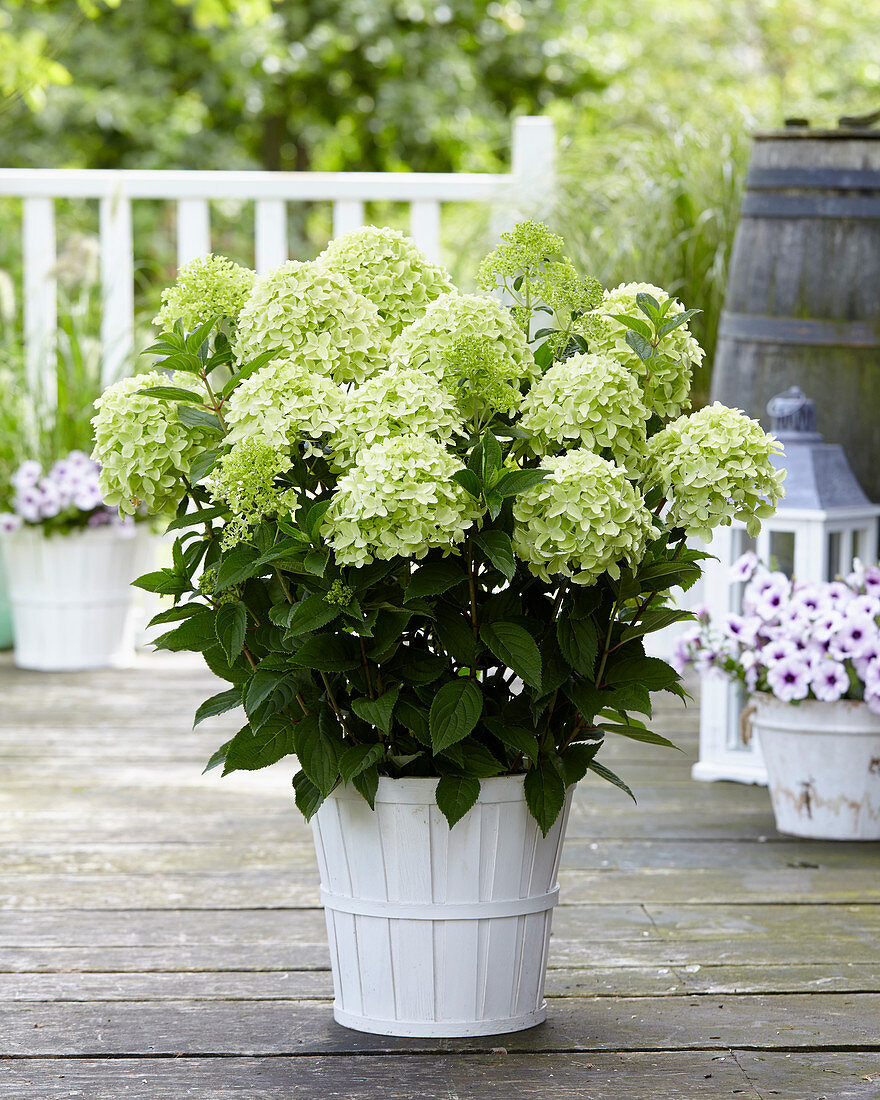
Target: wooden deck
<point>160,936</point>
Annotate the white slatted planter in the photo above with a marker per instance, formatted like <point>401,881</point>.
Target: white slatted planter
<point>526,188</point>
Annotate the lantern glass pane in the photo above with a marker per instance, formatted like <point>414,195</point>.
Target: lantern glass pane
<point>834,548</point>
<point>782,551</point>
<point>858,542</point>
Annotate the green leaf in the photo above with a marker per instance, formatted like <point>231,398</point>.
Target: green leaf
<point>251,750</point>
<point>218,704</point>
<point>515,648</point>
<point>200,334</point>
<point>555,670</point>
<point>455,795</point>
<point>636,324</point>
<point>473,758</point>
<point>514,737</point>
<point>176,614</point>
<point>164,581</point>
<point>282,549</point>
<point>494,501</point>
<point>498,548</point>
<point>579,642</point>
<point>316,752</point>
<point>316,561</point>
<point>236,567</point>
<point>576,760</point>
<point>469,481</point>
<point>204,463</point>
<point>357,758</point>
<point>377,712</point>
<point>414,718</point>
<point>416,666</point>
<point>172,393</point>
<point>631,696</point>
<point>315,517</point>
<point>678,319</point>
<point>367,784</point>
<point>455,711</point>
<point>608,775</point>
<point>248,369</point>
<point>236,672</point>
<point>194,417</point>
<point>328,653</point>
<point>218,757</point>
<point>230,626</point>
<point>492,458</point>
<point>545,793</point>
<point>636,733</point>
<point>195,633</point>
<point>639,345</point>
<point>434,579</point>
<point>456,634</point>
<point>311,614</point>
<point>260,687</point>
<point>306,795</point>
<point>519,481</point>
<point>650,672</point>
<point>192,519</point>
<point>648,304</point>
<point>588,699</point>
<point>655,619</point>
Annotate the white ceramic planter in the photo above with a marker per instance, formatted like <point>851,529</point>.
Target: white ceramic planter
<point>71,596</point>
<point>823,767</point>
<point>437,932</point>
<point>6,635</point>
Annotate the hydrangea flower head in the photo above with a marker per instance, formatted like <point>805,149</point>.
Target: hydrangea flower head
<point>581,521</point>
<point>312,314</point>
<point>398,499</point>
<point>386,267</point>
<point>589,401</point>
<point>244,480</point>
<point>666,378</point>
<point>481,378</point>
<point>286,404</point>
<point>523,249</point>
<point>429,343</point>
<point>715,466</point>
<point>399,401</point>
<point>142,446</point>
<point>210,286</point>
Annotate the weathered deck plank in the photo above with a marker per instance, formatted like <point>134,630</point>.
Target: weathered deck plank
<point>159,934</point>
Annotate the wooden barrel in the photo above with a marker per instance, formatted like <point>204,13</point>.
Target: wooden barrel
<point>803,297</point>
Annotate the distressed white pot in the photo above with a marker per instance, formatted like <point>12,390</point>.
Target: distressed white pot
<point>437,932</point>
<point>823,767</point>
<point>71,596</point>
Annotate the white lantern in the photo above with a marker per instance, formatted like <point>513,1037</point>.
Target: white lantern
<point>823,523</point>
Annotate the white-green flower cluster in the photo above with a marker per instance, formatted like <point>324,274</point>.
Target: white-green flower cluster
<point>244,481</point>
<point>590,401</point>
<point>399,401</point>
<point>210,286</point>
<point>582,520</point>
<point>386,266</point>
<point>286,404</point>
<point>666,378</point>
<point>713,467</point>
<point>398,499</point>
<point>142,445</point>
<point>307,312</point>
<point>430,342</point>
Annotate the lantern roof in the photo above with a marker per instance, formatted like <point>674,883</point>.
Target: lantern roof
<point>818,476</point>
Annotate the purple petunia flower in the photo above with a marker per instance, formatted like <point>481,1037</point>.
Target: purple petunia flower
<point>789,679</point>
<point>9,522</point>
<point>829,681</point>
<point>744,567</point>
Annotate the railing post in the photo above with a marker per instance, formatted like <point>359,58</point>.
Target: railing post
<point>533,161</point>
<point>347,214</point>
<point>270,234</point>
<point>424,227</point>
<point>40,294</point>
<point>193,230</point>
<point>117,280</point>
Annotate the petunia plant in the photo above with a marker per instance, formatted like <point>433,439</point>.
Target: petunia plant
<point>424,533</point>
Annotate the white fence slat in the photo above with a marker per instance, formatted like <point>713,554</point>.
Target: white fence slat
<point>424,227</point>
<point>117,279</point>
<point>533,160</point>
<point>347,214</point>
<point>40,297</point>
<point>193,230</point>
<point>270,234</point>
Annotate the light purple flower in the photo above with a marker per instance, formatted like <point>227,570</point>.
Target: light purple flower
<point>867,604</point>
<point>838,594</point>
<point>871,676</point>
<point>28,504</point>
<point>741,629</point>
<point>809,601</point>
<point>701,612</point>
<point>27,475</point>
<point>853,638</point>
<point>826,626</point>
<point>829,681</point>
<point>9,522</point>
<point>780,650</point>
<point>744,567</point>
<point>871,580</point>
<point>789,679</point>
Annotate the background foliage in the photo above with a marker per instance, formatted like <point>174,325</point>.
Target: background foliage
<point>654,104</point>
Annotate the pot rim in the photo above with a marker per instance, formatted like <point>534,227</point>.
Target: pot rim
<point>845,716</point>
<point>419,791</point>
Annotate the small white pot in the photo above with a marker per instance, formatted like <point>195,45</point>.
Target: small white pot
<point>437,932</point>
<point>823,767</point>
<point>72,604</point>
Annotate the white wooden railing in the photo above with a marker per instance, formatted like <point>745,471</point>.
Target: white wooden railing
<point>529,181</point>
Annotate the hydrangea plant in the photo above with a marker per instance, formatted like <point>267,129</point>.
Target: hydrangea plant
<point>794,640</point>
<point>436,551</point>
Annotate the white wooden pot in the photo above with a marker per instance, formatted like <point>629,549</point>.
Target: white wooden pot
<point>71,596</point>
<point>437,932</point>
<point>823,767</point>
